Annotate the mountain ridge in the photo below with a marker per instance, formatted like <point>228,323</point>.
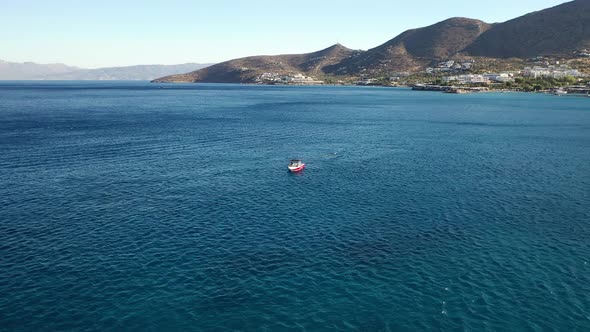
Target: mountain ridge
<point>416,48</point>
<point>559,30</point>
<point>59,71</point>
<point>247,70</point>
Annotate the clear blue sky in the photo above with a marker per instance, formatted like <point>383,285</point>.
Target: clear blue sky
<point>124,32</point>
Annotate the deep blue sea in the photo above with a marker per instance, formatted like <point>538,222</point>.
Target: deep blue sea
<point>130,206</point>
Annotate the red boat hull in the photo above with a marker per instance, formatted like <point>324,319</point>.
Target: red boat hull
<point>297,169</point>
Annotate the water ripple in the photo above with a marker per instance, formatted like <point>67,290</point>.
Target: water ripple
<point>171,209</point>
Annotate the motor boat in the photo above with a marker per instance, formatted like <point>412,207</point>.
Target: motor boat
<point>296,165</point>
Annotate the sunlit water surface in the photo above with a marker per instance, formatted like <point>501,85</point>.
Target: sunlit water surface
<point>144,207</point>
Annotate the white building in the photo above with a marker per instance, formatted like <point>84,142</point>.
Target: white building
<point>500,78</point>
<point>550,72</point>
<point>467,79</point>
<point>277,78</point>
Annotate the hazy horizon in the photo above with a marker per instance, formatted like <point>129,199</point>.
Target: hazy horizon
<point>109,34</point>
<point>105,67</point>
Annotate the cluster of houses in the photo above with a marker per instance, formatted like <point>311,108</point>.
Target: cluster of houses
<point>293,78</point>
<point>450,65</point>
<point>480,78</point>
<point>455,71</point>
<point>551,72</point>
<point>368,81</point>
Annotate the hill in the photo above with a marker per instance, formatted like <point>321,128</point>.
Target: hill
<point>34,71</point>
<point>139,72</point>
<point>31,70</point>
<point>559,30</point>
<point>415,49</point>
<point>247,70</point>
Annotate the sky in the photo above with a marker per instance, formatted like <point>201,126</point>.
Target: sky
<point>105,33</point>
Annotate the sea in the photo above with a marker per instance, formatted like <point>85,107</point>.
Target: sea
<point>131,206</point>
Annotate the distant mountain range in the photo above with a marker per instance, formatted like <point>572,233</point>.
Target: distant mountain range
<point>557,31</point>
<point>58,71</point>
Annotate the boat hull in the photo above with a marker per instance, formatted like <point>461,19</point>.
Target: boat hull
<point>297,169</point>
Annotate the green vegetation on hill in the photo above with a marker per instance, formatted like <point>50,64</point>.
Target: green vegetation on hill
<point>526,84</point>
<point>529,84</point>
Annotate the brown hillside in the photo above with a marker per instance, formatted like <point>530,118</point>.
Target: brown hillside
<point>560,30</point>
<point>246,70</point>
<point>415,48</point>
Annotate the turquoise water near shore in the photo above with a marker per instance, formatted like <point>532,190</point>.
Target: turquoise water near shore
<point>130,206</point>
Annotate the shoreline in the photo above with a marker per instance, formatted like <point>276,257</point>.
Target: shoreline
<point>582,91</point>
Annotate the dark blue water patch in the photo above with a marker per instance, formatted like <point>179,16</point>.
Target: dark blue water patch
<point>137,206</point>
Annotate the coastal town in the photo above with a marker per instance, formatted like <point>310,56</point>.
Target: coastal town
<point>540,74</point>
<point>552,77</point>
<point>292,78</point>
